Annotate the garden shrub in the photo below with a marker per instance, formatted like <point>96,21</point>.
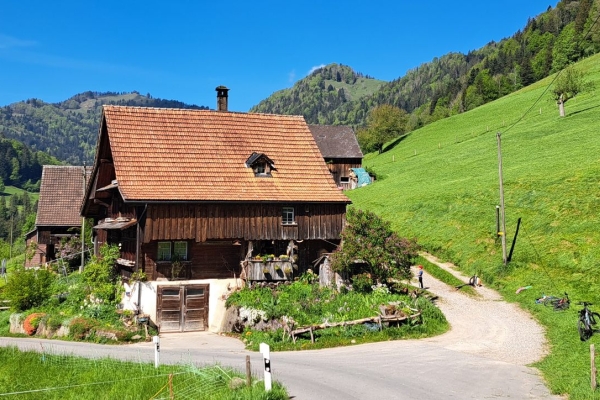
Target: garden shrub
<point>54,322</point>
<point>81,327</point>
<point>383,254</point>
<point>100,274</point>
<point>28,288</point>
<point>362,283</point>
<point>32,322</point>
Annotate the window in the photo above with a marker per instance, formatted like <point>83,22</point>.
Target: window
<point>261,165</point>
<point>180,250</point>
<point>167,250</point>
<point>344,179</point>
<point>164,251</point>
<point>287,217</point>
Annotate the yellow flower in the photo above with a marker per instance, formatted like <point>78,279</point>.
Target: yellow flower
<point>248,333</point>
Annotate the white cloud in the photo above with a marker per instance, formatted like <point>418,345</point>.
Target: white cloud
<point>292,76</point>
<point>313,69</point>
<point>7,42</point>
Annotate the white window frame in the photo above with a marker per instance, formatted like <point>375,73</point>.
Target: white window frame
<point>163,251</point>
<point>287,216</point>
<point>180,249</point>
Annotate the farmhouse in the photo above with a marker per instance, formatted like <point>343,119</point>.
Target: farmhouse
<point>200,200</point>
<point>340,150</point>
<point>61,192</point>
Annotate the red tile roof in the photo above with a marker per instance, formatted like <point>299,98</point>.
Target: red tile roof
<point>199,155</point>
<point>61,193</point>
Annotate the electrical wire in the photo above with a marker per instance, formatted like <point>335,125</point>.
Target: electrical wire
<point>584,37</point>
<point>541,263</point>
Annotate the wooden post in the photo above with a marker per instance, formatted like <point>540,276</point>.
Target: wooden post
<point>248,373</point>
<point>502,213</point>
<point>593,366</point>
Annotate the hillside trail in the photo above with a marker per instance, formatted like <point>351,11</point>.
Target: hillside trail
<point>485,325</point>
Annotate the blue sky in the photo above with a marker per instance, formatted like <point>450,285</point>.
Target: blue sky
<point>182,50</point>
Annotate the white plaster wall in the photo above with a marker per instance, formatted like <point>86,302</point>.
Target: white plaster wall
<point>145,294</point>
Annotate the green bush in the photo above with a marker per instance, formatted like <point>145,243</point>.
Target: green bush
<point>4,323</point>
<point>54,322</point>
<point>100,274</point>
<point>383,254</point>
<point>28,288</point>
<point>81,327</point>
<point>362,283</point>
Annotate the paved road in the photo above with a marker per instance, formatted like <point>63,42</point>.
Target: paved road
<point>391,370</point>
<point>483,356</point>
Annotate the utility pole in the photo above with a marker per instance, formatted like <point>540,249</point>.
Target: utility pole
<point>502,214</point>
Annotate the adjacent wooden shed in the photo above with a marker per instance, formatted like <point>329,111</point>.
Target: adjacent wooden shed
<point>340,150</point>
<point>61,194</point>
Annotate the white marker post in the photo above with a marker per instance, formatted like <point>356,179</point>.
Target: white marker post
<point>266,352</point>
<point>156,341</point>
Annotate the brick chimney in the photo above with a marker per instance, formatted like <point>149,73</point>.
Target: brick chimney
<point>222,98</point>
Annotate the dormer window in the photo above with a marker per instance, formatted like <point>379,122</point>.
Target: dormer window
<point>261,165</point>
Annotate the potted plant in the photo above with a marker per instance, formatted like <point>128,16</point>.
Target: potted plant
<point>284,257</point>
<point>266,271</point>
<point>287,270</point>
<point>139,276</point>
<point>176,267</point>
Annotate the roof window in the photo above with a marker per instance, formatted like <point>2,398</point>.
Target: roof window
<point>261,165</point>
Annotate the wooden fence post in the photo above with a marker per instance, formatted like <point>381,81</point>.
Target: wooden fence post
<point>593,366</point>
<point>248,372</point>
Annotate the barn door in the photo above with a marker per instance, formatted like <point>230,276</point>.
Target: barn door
<point>182,308</point>
<point>195,315</point>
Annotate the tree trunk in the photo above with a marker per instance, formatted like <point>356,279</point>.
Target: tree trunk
<point>561,106</point>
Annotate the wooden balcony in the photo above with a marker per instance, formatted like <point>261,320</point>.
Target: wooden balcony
<point>276,270</point>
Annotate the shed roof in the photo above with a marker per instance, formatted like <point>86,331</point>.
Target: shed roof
<point>336,141</point>
<point>61,193</point>
<point>199,155</point>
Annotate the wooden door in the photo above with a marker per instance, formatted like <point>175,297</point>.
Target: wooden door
<point>182,308</point>
<point>195,312</point>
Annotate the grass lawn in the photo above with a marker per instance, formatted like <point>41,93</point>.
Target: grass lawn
<point>441,185</point>
<point>33,375</point>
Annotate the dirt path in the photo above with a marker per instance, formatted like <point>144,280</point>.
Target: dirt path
<point>486,326</point>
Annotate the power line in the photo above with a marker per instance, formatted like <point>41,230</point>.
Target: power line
<point>540,261</point>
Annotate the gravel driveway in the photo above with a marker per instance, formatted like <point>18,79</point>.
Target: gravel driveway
<point>485,326</point>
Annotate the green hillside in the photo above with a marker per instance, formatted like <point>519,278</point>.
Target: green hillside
<point>317,96</point>
<point>440,184</point>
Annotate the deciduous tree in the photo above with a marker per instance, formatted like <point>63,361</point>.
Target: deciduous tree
<point>569,83</point>
<point>384,123</point>
<point>370,246</point>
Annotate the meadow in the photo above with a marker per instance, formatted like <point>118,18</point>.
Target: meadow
<point>440,184</point>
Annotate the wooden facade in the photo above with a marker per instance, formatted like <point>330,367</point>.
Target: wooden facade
<point>340,170</point>
<point>248,221</point>
<point>210,231</point>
